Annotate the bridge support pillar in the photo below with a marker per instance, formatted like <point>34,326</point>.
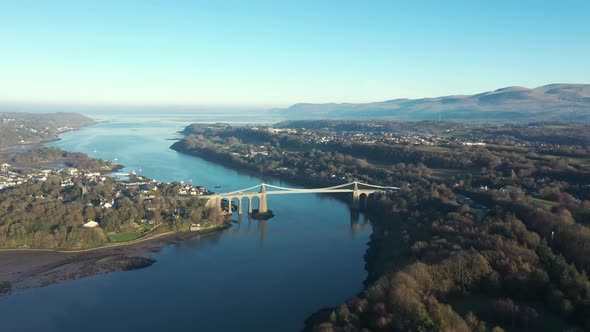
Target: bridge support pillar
<point>356,197</point>
<point>229,209</point>
<point>356,200</point>
<point>262,206</point>
<point>239,206</point>
<point>249,205</point>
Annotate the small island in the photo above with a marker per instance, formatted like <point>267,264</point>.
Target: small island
<point>257,215</point>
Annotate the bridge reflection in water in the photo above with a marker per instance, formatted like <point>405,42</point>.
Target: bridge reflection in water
<point>361,194</point>
<point>358,221</point>
<point>355,224</point>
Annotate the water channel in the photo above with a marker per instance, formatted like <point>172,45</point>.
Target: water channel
<point>257,276</point>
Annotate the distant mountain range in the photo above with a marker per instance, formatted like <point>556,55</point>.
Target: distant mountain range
<point>554,102</point>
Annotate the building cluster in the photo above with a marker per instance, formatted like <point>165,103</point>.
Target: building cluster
<point>190,190</point>
<point>312,173</point>
<point>261,150</point>
<point>63,129</point>
<point>324,137</point>
<point>257,152</point>
<point>137,188</point>
<point>281,130</point>
<point>23,131</point>
<point>144,188</point>
<point>142,185</point>
<point>10,178</point>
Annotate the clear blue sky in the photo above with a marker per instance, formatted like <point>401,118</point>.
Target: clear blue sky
<point>275,53</point>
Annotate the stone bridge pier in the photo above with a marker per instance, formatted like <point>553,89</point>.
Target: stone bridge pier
<point>216,201</point>
<point>360,197</point>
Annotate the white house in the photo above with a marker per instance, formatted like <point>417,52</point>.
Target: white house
<point>90,224</point>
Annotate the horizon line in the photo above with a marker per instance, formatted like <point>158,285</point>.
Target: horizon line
<point>270,106</point>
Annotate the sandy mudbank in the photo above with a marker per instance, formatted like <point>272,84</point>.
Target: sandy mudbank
<point>28,268</point>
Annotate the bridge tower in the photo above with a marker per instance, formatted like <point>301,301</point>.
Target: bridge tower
<point>262,207</point>
<point>356,197</point>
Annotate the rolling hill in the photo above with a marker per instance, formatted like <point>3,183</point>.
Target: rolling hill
<point>18,128</point>
<point>554,102</point>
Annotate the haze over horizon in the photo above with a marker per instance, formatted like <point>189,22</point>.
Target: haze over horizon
<point>265,54</point>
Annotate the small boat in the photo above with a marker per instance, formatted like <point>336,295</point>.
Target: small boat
<point>217,186</point>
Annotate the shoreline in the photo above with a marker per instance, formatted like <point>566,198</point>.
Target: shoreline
<point>5,154</point>
<point>117,245</point>
<point>23,268</point>
<point>31,268</point>
<point>6,149</point>
<point>297,180</point>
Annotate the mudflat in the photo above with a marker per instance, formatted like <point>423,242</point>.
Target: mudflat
<point>27,268</point>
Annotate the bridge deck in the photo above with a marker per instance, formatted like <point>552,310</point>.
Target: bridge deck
<point>284,191</point>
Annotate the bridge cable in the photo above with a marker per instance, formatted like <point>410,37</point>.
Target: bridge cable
<point>298,189</point>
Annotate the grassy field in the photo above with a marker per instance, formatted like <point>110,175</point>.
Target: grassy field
<point>447,173</point>
<point>545,203</point>
<point>556,126</point>
<point>576,160</point>
<point>571,160</point>
<point>125,237</point>
<point>131,236</point>
<point>509,148</point>
<point>432,148</point>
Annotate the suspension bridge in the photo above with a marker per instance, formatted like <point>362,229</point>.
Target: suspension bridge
<point>361,193</point>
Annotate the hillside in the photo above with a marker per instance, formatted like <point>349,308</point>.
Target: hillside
<point>26,128</point>
<point>563,102</point>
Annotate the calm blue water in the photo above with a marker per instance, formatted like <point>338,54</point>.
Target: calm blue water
<point>256,276</point>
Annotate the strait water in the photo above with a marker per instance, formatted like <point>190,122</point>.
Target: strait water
<point>256,276</point>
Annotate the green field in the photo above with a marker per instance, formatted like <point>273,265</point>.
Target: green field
<point>576,160</point>
<point>546,203</point>
<point>125,237</point>
<point>510,148</point>
<point>571,160</point>
<point>447,173</point>
<point>433,148</point>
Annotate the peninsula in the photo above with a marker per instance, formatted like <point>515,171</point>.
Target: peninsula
<point>58,207</point>
<point>18,128</point>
